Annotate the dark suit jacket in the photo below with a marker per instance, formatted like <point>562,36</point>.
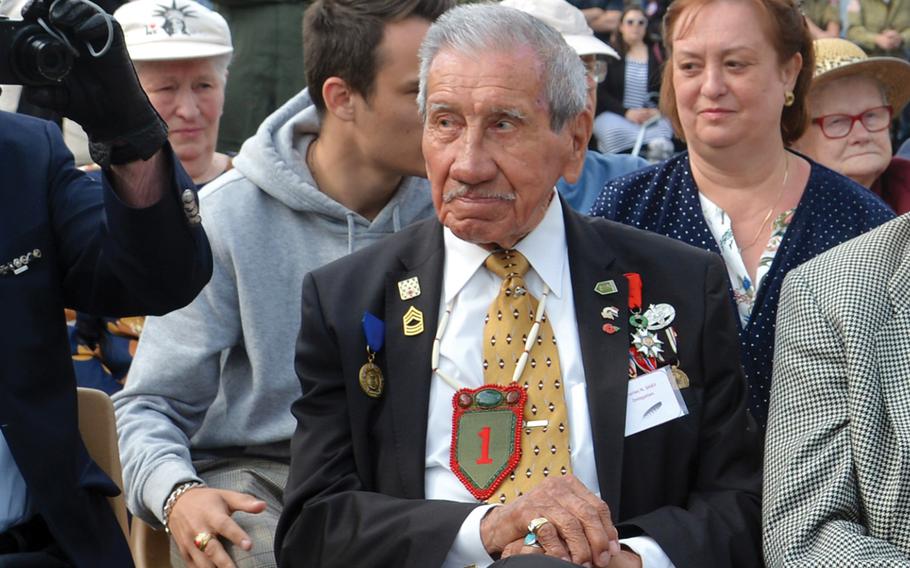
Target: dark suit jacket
<point>99,256</point>
<point>355,496</point>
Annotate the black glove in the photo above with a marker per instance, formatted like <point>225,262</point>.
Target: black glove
<point>102,93</point>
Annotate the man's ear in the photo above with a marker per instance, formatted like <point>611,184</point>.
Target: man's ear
<point>579,130</point>
<point>339,98</point>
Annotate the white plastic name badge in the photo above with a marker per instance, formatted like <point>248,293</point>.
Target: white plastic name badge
<point>653,399</point>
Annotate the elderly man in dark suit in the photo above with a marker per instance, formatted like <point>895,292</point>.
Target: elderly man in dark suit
<point>132,244</point>
<point>514,379</point>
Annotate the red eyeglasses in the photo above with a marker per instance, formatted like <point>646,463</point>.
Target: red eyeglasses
<point>836,126</point>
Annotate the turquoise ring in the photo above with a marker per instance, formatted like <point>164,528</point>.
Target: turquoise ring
<point>533,527</point>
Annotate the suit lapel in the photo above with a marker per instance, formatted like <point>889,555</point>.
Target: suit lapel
<point>604,355</point>
<point>408,357</point>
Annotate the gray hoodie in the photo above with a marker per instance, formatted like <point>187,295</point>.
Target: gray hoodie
<point>217,377</point>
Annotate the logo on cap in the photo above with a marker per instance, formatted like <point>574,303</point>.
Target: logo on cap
<point>174,19</point>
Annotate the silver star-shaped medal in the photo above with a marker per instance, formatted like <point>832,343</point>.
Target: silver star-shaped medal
<point>647,343</point>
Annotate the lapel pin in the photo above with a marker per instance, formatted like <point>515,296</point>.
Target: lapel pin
<point>605,287</point>
<point>19,264</point>
<point>609,313</point>
<point>412,321</point>
<point>660,316</point>
<point>409,289</point>
<point>610,329</point>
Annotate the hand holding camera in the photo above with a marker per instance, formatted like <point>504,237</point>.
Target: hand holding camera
<point>101,92</point>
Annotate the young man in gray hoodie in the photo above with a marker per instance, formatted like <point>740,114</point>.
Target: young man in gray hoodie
<point>205,420</point>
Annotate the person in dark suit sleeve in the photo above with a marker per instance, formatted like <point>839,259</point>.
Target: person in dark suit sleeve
<point>132,244</point>
<point>371,482</point>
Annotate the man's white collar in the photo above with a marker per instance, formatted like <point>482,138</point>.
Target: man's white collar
<point>544,247</point>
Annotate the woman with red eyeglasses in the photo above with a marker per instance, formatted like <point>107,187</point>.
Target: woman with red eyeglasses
<point>851,103</point>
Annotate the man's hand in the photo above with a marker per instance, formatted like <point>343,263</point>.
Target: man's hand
<point>580,528</point>
<point>625,559</point>
<point>205,509</point>
<point>101,93</point>
<point>888,40</point>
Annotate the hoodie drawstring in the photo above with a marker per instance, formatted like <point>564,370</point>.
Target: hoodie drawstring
<point>350,217</point>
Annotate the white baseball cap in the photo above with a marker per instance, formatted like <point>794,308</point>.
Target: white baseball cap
<point>172,29</point>
<point>567,20</point>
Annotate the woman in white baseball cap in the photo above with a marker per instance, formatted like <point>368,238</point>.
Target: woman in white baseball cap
<point>181,51</point>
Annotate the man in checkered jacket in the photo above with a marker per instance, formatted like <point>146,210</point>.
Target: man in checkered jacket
<point>837,461</point>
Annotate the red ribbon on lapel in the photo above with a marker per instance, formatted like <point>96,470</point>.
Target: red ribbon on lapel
<point>634,279</point>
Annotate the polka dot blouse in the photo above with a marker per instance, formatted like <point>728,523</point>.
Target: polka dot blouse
<point>664,198</point>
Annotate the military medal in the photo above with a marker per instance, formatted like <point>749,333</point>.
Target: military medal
<point>486,436</point>
<point>370,376</point>
<point>371,379</point>
<point>647,344</point>
<point>682,379</point>
<point>660,316</point>
<point>643,338</point>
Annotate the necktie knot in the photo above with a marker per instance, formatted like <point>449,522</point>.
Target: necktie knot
<point>507,264</point>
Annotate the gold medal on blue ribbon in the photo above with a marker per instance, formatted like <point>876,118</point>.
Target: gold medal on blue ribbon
<point>370,376</point>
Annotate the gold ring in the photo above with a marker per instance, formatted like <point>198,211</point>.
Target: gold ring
<point>201,540</point>
<point>535,524</point>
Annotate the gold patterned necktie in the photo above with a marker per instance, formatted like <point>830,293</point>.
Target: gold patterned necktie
<point>545,440</point>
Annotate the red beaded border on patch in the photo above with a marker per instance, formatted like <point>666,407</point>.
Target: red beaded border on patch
<point>480,493</point>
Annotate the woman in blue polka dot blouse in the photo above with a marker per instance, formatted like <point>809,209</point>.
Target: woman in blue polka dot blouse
<point>735,92</point>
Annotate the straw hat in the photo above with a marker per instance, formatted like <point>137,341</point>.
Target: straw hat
<point>157,30</point>
<point>569,21</point>
<point>836,58</point>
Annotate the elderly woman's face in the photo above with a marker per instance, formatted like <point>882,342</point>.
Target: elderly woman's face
<point>729,82</point>
<point>189,96</point>
<point>860,155</point>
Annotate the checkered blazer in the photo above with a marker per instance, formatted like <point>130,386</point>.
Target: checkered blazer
<point>837,455</point>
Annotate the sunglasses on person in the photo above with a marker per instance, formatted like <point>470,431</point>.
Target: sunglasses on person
<point>595,67</point>
<point>836,126</point>
<point>635,22</point>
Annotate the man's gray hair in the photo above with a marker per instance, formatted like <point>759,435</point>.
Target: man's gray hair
<point>479,29</point>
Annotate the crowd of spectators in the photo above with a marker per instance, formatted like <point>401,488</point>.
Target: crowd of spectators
<point>764,132</point>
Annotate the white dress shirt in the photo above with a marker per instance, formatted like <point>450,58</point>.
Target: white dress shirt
<point>14,503</point>
<point>461,354</point>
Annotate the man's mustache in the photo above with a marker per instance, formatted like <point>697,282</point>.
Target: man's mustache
<point>464,189</point>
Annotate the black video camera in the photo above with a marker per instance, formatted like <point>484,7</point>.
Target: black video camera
<point>29,55</point>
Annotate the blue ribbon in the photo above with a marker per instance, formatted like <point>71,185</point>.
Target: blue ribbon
<point>374,330</point>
